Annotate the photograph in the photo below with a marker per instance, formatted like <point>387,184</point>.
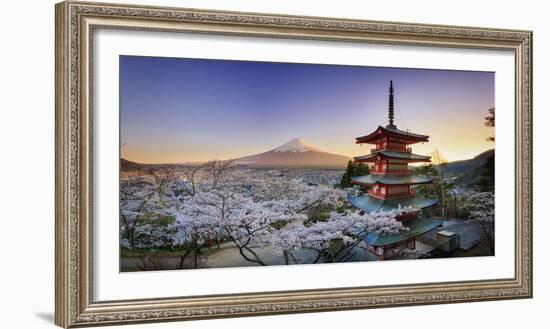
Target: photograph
<point>229,163</point>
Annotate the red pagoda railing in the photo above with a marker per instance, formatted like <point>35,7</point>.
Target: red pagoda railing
<point>379,194</point>
<point>392,171</point>
<point>376,149</point>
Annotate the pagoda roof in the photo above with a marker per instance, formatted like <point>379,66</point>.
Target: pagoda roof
<point>415,227</point>
<point>369,203</point>
<point>393,155</point>
<point>391,131</point>
<point>391,179</point>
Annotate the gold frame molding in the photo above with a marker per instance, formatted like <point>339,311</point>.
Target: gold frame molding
<point>76,22</point>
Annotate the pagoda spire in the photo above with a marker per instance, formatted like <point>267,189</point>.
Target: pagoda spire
<point>390,112</point>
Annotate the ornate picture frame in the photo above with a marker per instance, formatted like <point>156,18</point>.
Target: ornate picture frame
<point>76,23</point>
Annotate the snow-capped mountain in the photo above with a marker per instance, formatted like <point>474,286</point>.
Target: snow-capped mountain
<point>295,154</point>
<point>296,145</point>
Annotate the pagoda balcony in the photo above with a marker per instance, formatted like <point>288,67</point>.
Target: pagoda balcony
<point>377,149</point>
<point>380,195</point>
<point>392,172</point>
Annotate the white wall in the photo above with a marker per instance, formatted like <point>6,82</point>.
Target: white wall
<point>27,162</point>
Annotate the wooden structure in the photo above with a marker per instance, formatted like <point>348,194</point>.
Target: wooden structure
<point>391,184</point>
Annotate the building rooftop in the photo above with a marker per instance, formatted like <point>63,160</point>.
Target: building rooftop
<point>369,203</point>
<point>415,227</point>
<point>391,180</point>
<point>393,155</point>
<point>446,233</point>
<point>373,137</point>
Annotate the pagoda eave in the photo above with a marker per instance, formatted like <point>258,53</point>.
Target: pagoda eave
<point>373,179</point>
<point>385,154</point>
<point>369,160</point>
<point>370,204</point>
<point>414,227</point>
<point>407,137</point>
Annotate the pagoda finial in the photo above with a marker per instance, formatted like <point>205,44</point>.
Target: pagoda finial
<point>390,113</point>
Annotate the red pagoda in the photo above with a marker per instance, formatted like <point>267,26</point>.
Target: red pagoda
<point>390,185</point>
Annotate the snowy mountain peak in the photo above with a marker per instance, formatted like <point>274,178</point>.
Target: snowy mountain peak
<point>295,154</point>
<point>296,145</point>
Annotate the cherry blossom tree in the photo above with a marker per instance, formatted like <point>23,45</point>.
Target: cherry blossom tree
<point>224,214</point>
<point>279,225</point>
<point>218,170</point>
<point>135,194</point>
<point>190,208</point>
<point>482,213</point>
<point>333,240</point>
<point>192,176</point>
<point>195,227</point>
<point>149,203</point>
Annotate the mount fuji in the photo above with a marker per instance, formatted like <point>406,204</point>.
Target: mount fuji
<point>295,154</point>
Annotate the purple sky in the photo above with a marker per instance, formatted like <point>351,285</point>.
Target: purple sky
<point>179,110</point>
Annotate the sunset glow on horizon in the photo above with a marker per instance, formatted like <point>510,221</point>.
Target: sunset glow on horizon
<point>194,110</point>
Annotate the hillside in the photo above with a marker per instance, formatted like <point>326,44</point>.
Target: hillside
<point>466,172</point>
<point>126,165</point>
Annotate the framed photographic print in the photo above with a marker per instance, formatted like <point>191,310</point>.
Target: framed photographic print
<point>214,164</point>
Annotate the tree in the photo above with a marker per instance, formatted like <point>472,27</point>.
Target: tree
<point>134,196</point>
<point>151,235</point>
<point>486,179</point>
<point>251,210</point>
<point>345,181</point>
<point>352,170</point>
<point>335,239</point>
<point>440,164</point>
<point>192,175</point>
<point>231,214</point>
<point>482,213</point>
<point>439,188</point>
<point>148,203</point>
<point>427,190</point>
<point>199,223</point>
<point>259,223</point>
<point>255,222</point>
<point>144,199</point>
<point>218,170</point>
<point>490,122</point>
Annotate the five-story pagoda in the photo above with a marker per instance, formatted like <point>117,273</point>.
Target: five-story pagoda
<point>390,184</point>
